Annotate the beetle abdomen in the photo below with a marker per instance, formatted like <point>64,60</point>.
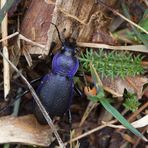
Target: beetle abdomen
<point>55,93</point>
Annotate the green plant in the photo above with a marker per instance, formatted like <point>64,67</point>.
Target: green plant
<point>131,102</point>
<point>106,104</point>
<point>144,21</point>
<point>112,64</point>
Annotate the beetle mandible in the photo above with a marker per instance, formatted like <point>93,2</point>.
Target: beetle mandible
<point>56,88</point>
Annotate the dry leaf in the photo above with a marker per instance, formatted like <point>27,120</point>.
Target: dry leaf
<point>137,83</point>
<point>116,86</point>
<point>132,84</point>
<point>24,130</point>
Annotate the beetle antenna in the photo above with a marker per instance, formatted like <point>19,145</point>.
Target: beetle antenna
<point>58,32</point>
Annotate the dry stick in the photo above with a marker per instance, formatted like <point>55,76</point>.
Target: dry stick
<point>144,63</point>
<point>22,38</point>
<point>30,41</point>
<point>90,132</point>
<point>6,72</point>
<point>18,29</point>
<point>9,36</point>
<point>123,17</point>
<point>94,130</point>
<point>91,105</point>
<point>113,92</point>
<point>4,25</point>
<point>37,100</point>
<point>139,48</point>
<point>136,124</point>
<point>146,2</point>
<point>131,118</point>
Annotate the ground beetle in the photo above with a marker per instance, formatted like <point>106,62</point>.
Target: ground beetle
<point>56,88</point>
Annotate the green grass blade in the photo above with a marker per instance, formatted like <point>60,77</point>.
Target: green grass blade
<point>5,9</point>
<point>120,118</point>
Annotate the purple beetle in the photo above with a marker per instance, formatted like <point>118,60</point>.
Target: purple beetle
<point>56,88</point>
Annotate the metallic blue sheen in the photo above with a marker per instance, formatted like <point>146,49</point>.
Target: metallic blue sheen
<point>65,63</point>
<point>56,88</point>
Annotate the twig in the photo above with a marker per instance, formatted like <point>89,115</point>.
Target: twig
<point>28,57</point>
<point>22,38</point>
<point>139,48</point>
<point>90,132</point>
<point>134,115</point>
<point>144,63</point>
<point>37,100</point>
<point>137,124</point>
<point>6,73</point>
<point>30,41</point>
<point>146,2</point>
<point>89,108</point>
<point>144,106</point>
<point>9,36</point>
<point>122,16</point>
<point>4,25</point>
<point>113,92</point>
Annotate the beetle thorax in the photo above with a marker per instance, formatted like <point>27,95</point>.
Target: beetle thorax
<point>65,64</point>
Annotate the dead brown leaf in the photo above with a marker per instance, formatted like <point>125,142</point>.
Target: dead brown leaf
<point>137,83</point>
<point>24,130</point>
<point>132,84</point>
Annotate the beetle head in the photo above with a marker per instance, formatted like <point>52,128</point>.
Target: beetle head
<point>69,46</point>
